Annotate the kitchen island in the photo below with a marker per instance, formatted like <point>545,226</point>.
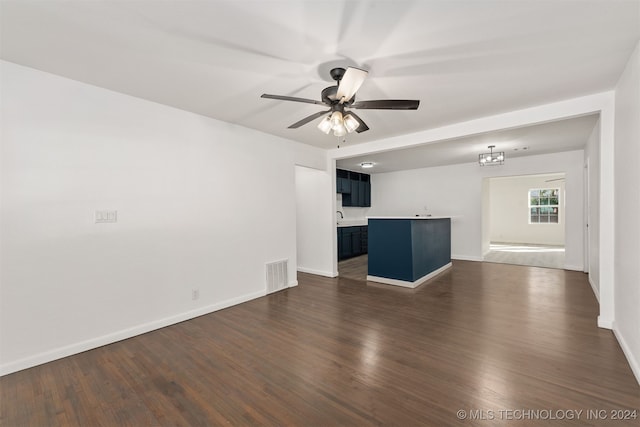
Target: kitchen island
<point>407,251</point>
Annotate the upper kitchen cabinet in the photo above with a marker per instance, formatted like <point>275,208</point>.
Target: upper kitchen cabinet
<point>355,188</point>
<point>365,190</point>
<point>343,183</point>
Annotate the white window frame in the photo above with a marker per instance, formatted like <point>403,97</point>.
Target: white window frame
<point>546,206</point>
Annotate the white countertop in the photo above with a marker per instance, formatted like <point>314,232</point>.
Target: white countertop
<point>364,221</point>
<point>410,217</point>
<point>352,222</point>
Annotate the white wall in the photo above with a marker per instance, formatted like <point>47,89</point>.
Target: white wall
<point>457,190</point>
<point>314,221</point>
<point>509,211</point>
<point>627,212</point>
<point>201,204</point>
<point>592,163</point>
<point>486,216</point>
<point>351,213</point>
<point>449,190</point>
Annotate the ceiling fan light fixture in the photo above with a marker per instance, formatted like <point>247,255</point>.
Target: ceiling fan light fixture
<point>325,125</point>
<point>339,130</point>
<point>350,123</point>
<point>336,119</point>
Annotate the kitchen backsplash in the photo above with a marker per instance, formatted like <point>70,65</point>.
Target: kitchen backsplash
<point>351,213</point>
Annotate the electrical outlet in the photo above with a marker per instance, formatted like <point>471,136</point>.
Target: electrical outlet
<point>195,294</point>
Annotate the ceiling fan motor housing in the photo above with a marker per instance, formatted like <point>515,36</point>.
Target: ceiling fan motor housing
<point>337,73</point>
<point>329,94</point>
<point>329,97</point>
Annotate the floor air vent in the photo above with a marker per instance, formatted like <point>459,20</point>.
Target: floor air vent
<point>277,278</point>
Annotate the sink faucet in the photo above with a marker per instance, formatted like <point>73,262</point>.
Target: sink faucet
<point>341,216</point>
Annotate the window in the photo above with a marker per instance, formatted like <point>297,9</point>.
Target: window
<point>543,205</point>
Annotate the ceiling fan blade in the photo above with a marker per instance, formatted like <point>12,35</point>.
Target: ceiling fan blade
<point>291,98</point>
<point>388,104</point>
<point>350,83</point>
<point>308,119</point>
<point>363,126</point>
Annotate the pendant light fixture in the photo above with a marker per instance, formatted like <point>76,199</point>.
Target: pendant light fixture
<point>491,158</point>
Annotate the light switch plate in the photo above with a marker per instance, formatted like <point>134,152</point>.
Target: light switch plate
<point>102,217</point>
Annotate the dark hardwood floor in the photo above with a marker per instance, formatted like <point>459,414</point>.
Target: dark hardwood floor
<point>480,337</point>
<point>354,268</point>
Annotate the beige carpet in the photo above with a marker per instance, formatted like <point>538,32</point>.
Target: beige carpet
<point>525,254</point>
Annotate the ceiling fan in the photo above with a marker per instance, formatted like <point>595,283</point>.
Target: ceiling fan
<point>342,96</point>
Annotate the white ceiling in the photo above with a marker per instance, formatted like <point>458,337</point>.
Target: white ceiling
<point>553,137</point>
<point>462,59</point>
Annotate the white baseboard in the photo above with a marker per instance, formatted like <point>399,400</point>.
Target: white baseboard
<point>68,350</point>
<point>293,284</point>
<point>605,323</point>
<point>573,267</point>
<point>407,284</point>
<point>467,258</point>
<point>634,362</point>
<point>595,290</point>
<point>316,272</point>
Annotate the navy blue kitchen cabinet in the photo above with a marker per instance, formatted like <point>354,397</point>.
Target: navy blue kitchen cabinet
<point>365,190</point>
<point>343,183</point>
<point>355,188</point>
<point>347,243</point>
<point>352,241</point>
<point>356,241</point>
<point>355,191</point>
<point>364,238</point>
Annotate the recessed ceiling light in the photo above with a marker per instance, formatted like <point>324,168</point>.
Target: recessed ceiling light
<point>366,165</point>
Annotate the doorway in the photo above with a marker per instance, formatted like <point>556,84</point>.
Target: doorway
<point>314,246</point>
<point>525,222</point>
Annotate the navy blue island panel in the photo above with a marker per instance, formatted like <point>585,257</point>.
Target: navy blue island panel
<point>408,251</point>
